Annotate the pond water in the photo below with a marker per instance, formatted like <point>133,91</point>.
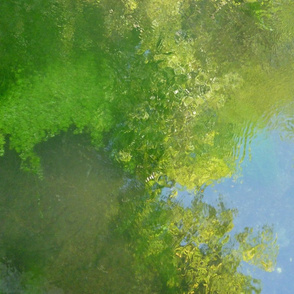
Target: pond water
<point>146,147</point>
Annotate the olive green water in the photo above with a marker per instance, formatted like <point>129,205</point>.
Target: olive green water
<point>107,108</point>
<point>61,228</point>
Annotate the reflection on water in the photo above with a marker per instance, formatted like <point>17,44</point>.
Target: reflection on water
<point>58,227</point>
<point>264,195</point>
<point>85,227</point>
<point>113,111</point>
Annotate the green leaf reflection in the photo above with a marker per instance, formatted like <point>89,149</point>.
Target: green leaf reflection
<point>192,250</point>
<point>173,92</point>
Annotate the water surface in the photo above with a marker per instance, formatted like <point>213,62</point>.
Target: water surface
<point>146,147</point>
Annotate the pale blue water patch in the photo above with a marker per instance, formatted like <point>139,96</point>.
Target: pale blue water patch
<point>264,195</point>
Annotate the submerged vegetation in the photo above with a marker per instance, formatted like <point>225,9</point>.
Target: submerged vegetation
<point>169,90</point>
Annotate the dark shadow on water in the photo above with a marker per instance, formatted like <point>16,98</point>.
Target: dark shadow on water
<point>55,232</point>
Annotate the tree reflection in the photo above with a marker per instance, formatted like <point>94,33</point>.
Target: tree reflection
<point>191,250</point>
<point>86,232</point>
<point>167,86</point>
<point>171,90</point>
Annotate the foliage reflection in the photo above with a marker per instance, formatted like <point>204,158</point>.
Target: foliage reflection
<point>171,91</point>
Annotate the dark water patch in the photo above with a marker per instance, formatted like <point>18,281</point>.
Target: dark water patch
<point>58,227</point>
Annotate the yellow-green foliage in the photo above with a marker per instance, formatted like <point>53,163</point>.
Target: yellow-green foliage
<point>43,105</point>
<point>191,250</point>
<point>170,81</point>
